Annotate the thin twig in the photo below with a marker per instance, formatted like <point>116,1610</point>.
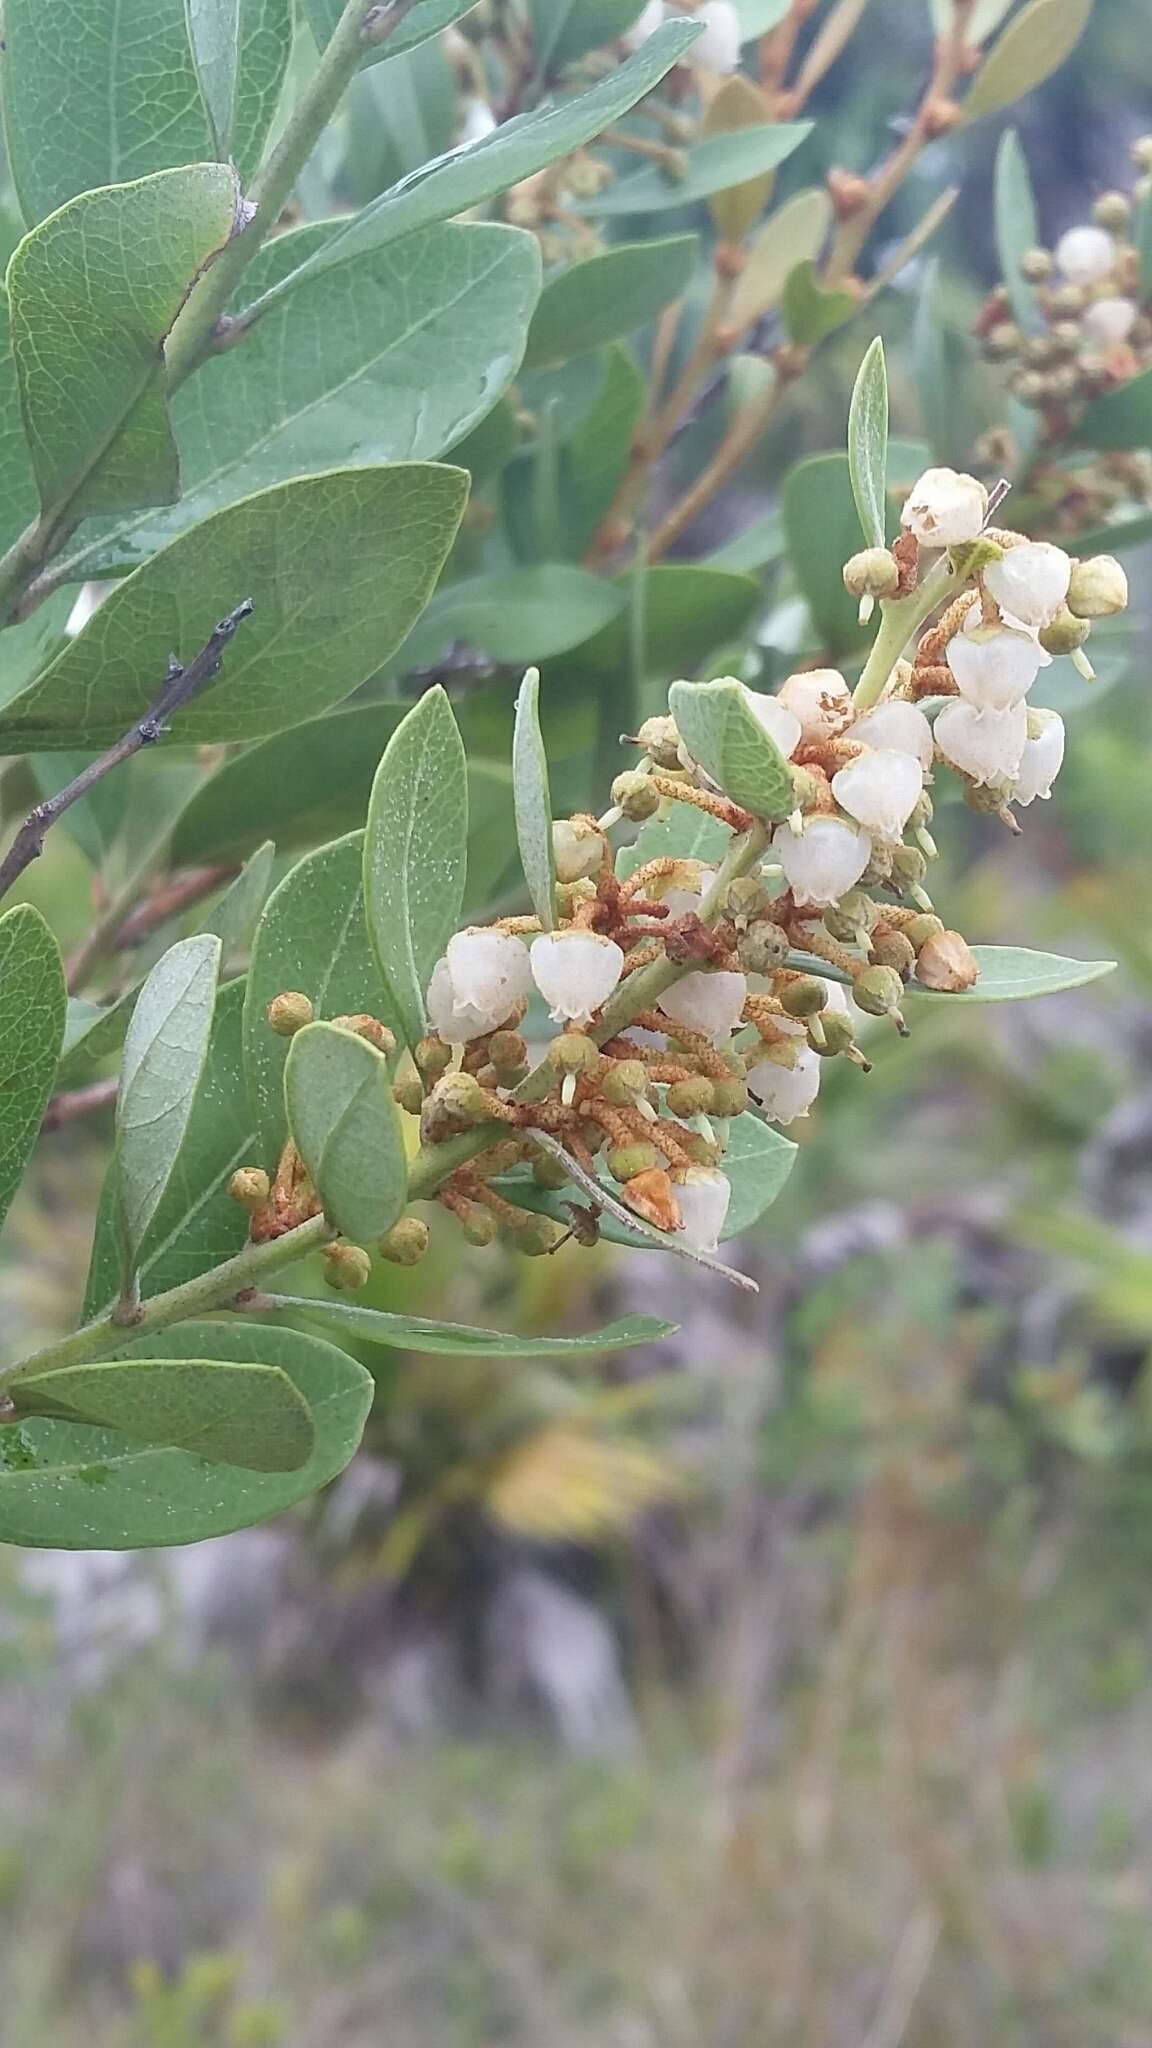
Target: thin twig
<point>73,1103</point>
<point>169,900</point>
<point>179,687</point>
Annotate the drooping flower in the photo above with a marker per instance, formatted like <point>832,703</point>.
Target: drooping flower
<point>479,121</point>
<point>987,746</point>
<point>994,666</point>
<point>897,725</point>
<point>703,1197</point>
<point>476,984</point>
<point>1042,758</point>
<point>1030,582</point>
<point>823,860</point>
<point>705,1002</point>
<point>1085,254</point>
<point>1109,321</point>
<point>718,49</point>
<point>944,508</point>
<point>645,25</point>
<point>575,972</point>
<point>880,789</point>
<point>820,698</point>
<point>1098,588</point>
<point>785,1093</point>
<point>778,720</point>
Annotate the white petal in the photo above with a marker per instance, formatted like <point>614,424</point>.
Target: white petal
<point>824,860</point>
<point>780,723</point>
<point>479,121</point>
<point>1109,321</point>
<point>1085,254</point>
<point>899,725</point>
<point>945,508</point>
<point>820,698</point>
<point>718,49</point>
<point>785,1093</point>
<point>705,1002</point>
<point>880,789</point>
<point>1031,582</point>
<point>986,745</point>
<point>647,24</point>
<point>575,972</point>
<point>995,666</point>
<point>703,1197</point>
<point>1042,758</point>
<point>489,969</point>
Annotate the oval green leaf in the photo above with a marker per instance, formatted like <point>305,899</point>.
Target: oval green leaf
<point>72,1486</point>
<point>533,802</point>
<point>346,1128</point>
<point>1035,44</point>
<point>811,312</point>
<point>248,1415</point>
<point>714,165</point>
<point>33,1007</point>
<point>456,1340</point>
<point>1010,973</point>
<point>164,1052</point>
<point>607,296</point>
<point>426,19</point>
<point>415,852</point>
<point>822,529</point>
<point>1017,228</point>
<point>868,443</point>
<point>516,615</point>
<point>1120,419</point>
<point>721,731</point>
<point>790,236</point>
<point>240,50</point>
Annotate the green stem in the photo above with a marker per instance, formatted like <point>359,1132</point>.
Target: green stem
<point>899,619</point>
<point>198,1297</point>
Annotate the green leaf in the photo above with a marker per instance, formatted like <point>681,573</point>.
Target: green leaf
<point>235,914</point>
<point>94,291</point>
<point>714,165</point>
<point>92,1034</point>
<point>70,1486</point>
<point>339,567</point>
<point>810,312</point>
<point>414,852</point>
<point>608,296</point>
<point>533,802</point>
<point>565,30</point>
<point>1009,973</point>
<point>821,525</point>
<point>516,150</point>
<point>248,1415</point>
<point>1017,229</point>
<point>346,1128</point>
<point>33,1005</point>
<point>690,610</point>
<point>302,786</point>
<point>456,1340</point>
<point>1112,540</point>
<point>17,482</point>
<point>789,237</point>
<point>164,1053</point>
<point>424,20</point>
<point>95,820</point>
<point>516,615</point>
<point>868,443</point>
<point>1121,418</point>
<point>721,732</point>
<point>197,1225</point>
<point>240,51</point>
<point>312,937</point>
<point>754,547</point>
<point>684,833</point>
<point>596,454</point>
<point>338,374</point>
<point>98,94</point>
<point>1035,44</point>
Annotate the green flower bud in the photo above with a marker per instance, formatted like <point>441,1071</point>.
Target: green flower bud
<point>872,573</point>
<point>1113,210</point>
<point>288,1013</point>
<point>548,1172</point>
<point>804,997</point>
<point>433,1057</point>
<point>251,1187</point>
<point>538,1235</point>
<point>1098,588</point>
<point>347,1266</point>
<point>456,1099</point>
<point>623,1082</point>
<point>879,869</point>
<point>691,1098</point>
<point>838,1035</point>
<point>406,1242</point>
<point>409,1095</point>
<point>1036,265</point>
<point>578,849</point>
<point>909,867</point>
<point>370,1028</point>
<point>661,741</point>
<point>635,795</point>
<point>1065,633</point>
<point>701,1150</point>
<point>595,1137</point>
<point>509,1056</point>
<point>895,949</point>
<point>626,1161</point>
<point>478,1224</point>
<point>923,814</point>
<point>878,991</point>
<point>762,947</point>
<point>573,1052</point>
<point>919,930</point>
<point>746,898</point>
<point>729,1098</point>
<point>1002,341</point>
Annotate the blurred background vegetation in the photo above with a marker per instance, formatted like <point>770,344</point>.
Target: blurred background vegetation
<point>788,1687</point>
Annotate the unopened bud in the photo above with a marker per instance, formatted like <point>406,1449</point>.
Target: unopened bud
<point>548,1172</point>
<point>1065,633</point>
<point>872,573</point>
<point>701,1151</point>
<point>1113,210</point>
<point>763,947</point>
<point>624,1082</point>
<point>1002,341</point>
<point>895,949</point>
<point>347,1266</point>
<point>251,1187</point>
<point>1098,588</point>
<point>509,1056</point>
<point>578,849</point>
<point>635,795</point>
<point>289,1013</point>
<point>837,1036</point>
<point>879,868</point>
<point>691,1098</point>
<point>1141,152</point>
<point>538,1235</point>
<point>595,1137</point>
<point>626,1161</point>
<point>919,930</point>
<point>433,1057</point>
<point>409,1095</point>
<point>729,1098</point>
<point>909,867</point>
<point>946,962</point>
<point>1036,265</point>
<point>573,1052</point>
<point>746,898</point>
<point>661,741</point>
<point>456,1101</point>
<point>406,1242</point>
<point>878,991</point>
<point>370,1028</point>
<point>478,1224</point>
<point>804,996</point>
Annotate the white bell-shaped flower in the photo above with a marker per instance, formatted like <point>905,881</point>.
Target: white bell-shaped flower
<point>1030,583</point>
<point>646,24</point>
<point>823,860</point>
<point>944,508</point>
<point>575,972</point>
<point>477,984</point>
<point>710,1003</point>
<point>1110,321</point>
<point>718,49</point>
<point>1042,758</point>
<point>995,666</point>
<point>820,698</point>
<point>880,789</point>
<point>577,849</point>
<point>781,724</point>
<point>703,1198</point>
<point>1085,254</point>
<point>785,1093</point>
<point>897,725</point>
<point>479,121</point>
<point>686,888</point>
<point>987,746</point>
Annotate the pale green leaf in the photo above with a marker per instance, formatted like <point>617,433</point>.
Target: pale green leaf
<point>790,236</point>
<point>32,1013</point>
<point>690,609</point>
<point>684,833</point>
<point>164,1053</point>
<point>94,291</point>
<point>231,1414</point>
<point>338,566</point>
<point>596,454</point>
<point>516,615</point>
<point>533,802</point>
<point>721,732</point>
<point>1009,973</point>
<point>1016,226</point>
<point>608,296</point>
<point>426,19</point>
<point>810,311</point>
<point>96,94</point>
<point>240,51</point>
<point>236,913</point>
<point>346,1128</point>
<point>1035,44</point>
<point>70,1486</point>
<point>455,1340</point>
<point>823,531</point>
<point>17,481</point>
<point>565,30</point>
<point>92,1034</point>
<point>717,164</point>
<point>1121,419</point>
<point>868,443</point>
<point>415,852</point>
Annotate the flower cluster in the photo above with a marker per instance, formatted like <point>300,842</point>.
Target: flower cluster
<point>609,1047</point>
